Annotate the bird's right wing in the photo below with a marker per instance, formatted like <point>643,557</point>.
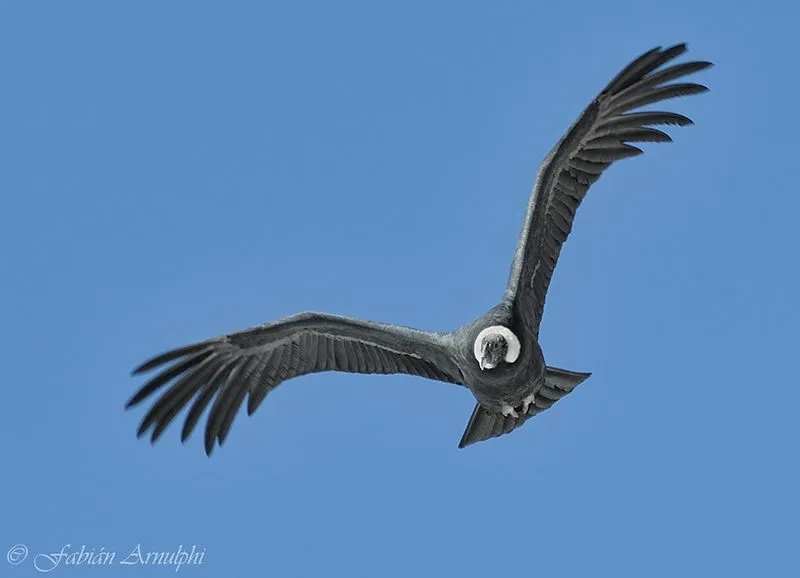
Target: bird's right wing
<point>254,361</point>
<point>485,424</point>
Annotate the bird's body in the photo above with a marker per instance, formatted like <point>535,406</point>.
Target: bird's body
<point>507,384</point>
<point>497,356</point>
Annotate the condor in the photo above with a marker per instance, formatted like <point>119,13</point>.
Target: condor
<point>497,356</point>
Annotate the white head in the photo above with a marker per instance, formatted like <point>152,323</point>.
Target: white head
<point>495,344</point>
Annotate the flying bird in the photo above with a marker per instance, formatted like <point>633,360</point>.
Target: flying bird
<point>497,356</point>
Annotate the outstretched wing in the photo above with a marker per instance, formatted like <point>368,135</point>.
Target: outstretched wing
<point>599,137</point>
<point>485,424</point>
<point>254,361</point>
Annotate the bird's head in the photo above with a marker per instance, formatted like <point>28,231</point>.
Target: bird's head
<point>494,348</point>
<point>495,345</point>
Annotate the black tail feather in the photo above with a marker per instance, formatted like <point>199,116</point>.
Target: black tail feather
<point>485,424</point>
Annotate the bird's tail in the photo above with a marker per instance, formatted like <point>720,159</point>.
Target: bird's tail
<point>485,424</point>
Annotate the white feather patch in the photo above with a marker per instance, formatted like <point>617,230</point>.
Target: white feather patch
<point>513,343</point>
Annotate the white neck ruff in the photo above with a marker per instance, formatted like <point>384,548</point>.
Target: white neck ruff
<point>513,343</point>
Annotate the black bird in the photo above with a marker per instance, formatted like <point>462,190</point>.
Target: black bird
<point>497,356</point>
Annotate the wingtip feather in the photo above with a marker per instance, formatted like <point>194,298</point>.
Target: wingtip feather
<point>209,444</point>
<point>168,356</point>
<point>142,429</point>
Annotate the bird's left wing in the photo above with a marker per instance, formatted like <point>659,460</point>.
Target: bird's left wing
<point>599,137</point>
<point>254,361</point>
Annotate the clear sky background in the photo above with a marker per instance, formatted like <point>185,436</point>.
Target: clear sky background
<point>175,170</point>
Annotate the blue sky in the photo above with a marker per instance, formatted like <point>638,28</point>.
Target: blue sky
<point>176,170</point>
